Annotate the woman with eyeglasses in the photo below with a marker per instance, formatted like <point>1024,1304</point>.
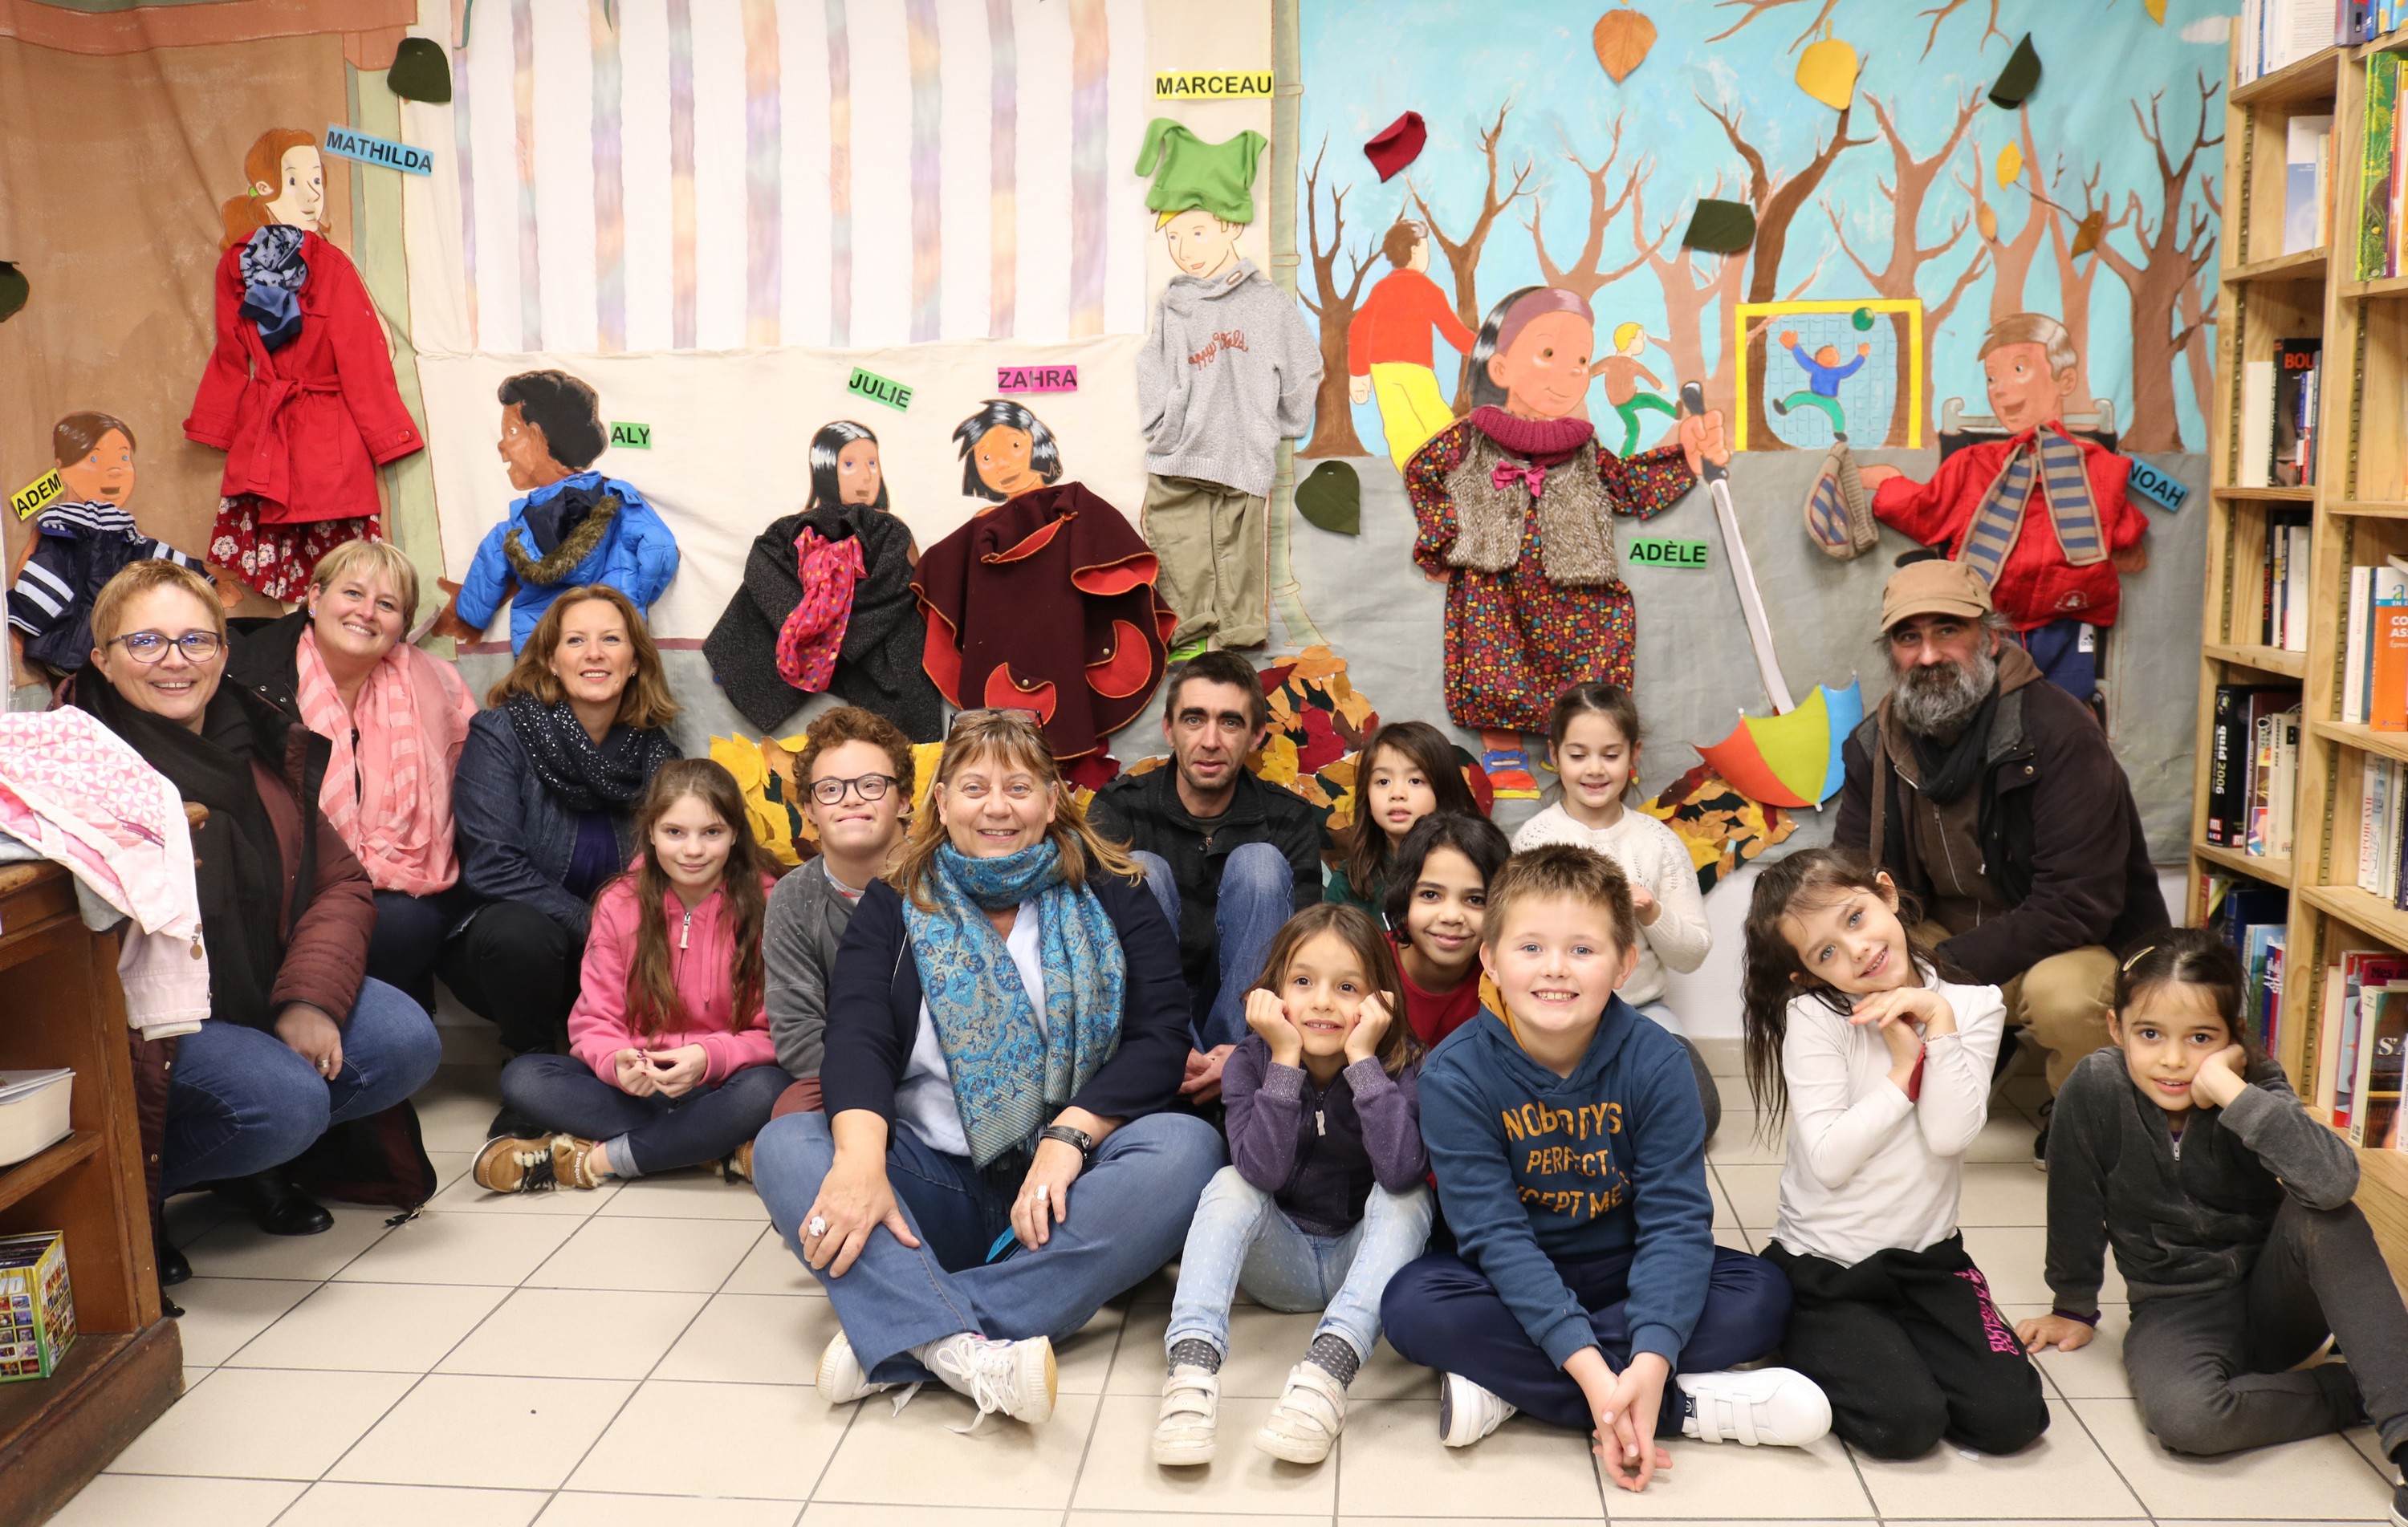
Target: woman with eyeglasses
<point>398,719</point>
<point>1006,1027</point>
<point>299,1035</point>
<point>856,772</point>
<point>545,801</point>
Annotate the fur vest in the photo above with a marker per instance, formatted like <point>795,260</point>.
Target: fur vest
<point>1575,524</point>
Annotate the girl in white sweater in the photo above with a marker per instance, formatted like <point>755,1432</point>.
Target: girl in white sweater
<point>1884,1070</point>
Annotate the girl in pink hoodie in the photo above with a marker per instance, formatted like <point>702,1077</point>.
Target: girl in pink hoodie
<point>670,1063</point>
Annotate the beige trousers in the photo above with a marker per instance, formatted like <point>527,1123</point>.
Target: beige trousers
<point>2063,1001</point>
<point>1214,547</point>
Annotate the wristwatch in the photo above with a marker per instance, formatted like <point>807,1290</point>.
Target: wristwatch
<point>1080,1139</point>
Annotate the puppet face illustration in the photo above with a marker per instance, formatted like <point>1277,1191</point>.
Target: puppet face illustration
<point>103,474</point>
<point>2023,391</point>
<point>1545,372</point>
<point>300,197</point>
<point>525,452</point>
<point>1201,245</point>
<point>1002,455</point>
<point>857,474</point>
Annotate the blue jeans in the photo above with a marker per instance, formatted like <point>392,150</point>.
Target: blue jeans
<point>654,1134</point>
<point>2067,653</point>
<point>1258,895</point>
<point>1443,1313</point>
<point>1128,1213</point>
<point>240,1100</point>
<point>1242,1236</point>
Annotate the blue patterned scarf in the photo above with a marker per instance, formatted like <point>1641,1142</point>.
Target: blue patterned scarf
<point>1011,1076</point>
<point>272,273</point>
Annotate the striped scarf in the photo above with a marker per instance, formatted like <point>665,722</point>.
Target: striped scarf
<point>2072,512</point>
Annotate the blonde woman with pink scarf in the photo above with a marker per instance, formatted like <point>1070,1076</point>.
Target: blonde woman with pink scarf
<point>398,719</point>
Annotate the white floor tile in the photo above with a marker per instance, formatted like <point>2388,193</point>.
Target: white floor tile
<point>2006,1136</point>
<point>223,1313</point>
<point>2003,1194</point>
<point>688,1195</point>
<point>770,1268</point>
<point>691,1256</point>
<point>577,1509</point>
<point>263,1423</point>
<point>2095,1372</point>
<point>754,1440</point>
<point>1714,1482</point>
<point>1121,1474</point>
<point>495,1249</point>
<point>456,1109</point>
<point>2318,1480</point>
<point>1754,1190</point>
<point>916,1459</point>
<point>135,1500</point>
<point>500,1434</point>
<point>1736,1142</point>
<point>463,1196</point>
<point>1390,1464</point>
<point>1264,1345</point>
<point>334,1505</point>
<point>2012,1258</point>
<point>238,1248</point>
<point>2062,1474</point>
<point>848,1513</point>
<point>751,1338</point>
<point>575,1333</point>
<point>370,1327</point>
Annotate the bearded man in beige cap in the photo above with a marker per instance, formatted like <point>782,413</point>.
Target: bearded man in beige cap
<point>1995,800</point>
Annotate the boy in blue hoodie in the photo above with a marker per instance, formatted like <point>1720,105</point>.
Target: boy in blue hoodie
<point>1570,1148</point>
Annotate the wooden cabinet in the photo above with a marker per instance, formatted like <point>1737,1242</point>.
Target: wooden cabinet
<point>59,1006</point>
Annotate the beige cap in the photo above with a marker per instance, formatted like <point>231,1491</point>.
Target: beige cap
<point>1933,587</point>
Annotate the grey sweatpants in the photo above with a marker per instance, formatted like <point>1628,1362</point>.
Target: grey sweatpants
<point>1214,547</point>
<point>2210,1370</point>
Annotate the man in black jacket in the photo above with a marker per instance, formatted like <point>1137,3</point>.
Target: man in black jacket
<point>2002,807</point>
<point>1229,857</point>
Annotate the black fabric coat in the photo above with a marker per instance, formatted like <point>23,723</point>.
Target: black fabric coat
<point>877,668</point>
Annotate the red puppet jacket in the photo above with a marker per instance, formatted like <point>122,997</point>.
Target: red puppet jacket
<point>2036,586</point>
<point>304,427</point>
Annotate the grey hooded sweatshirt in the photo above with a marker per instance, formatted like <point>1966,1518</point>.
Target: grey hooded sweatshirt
<point>1228,372</point>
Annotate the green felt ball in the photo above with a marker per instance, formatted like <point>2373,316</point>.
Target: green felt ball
<point>1862,318</point>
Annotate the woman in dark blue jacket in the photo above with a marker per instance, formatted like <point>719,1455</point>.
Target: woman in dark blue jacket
<point>545,802</point>
<point>1006,1025</point>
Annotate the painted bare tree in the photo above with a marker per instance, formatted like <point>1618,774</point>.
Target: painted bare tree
<point>1936,15</point>
<point>1911,180</point>
<point>2173,249</point>
<point>1462,254</point>
<point>1333,305</point>
<point>1692,290</point>
<point>1587,274</point>
<point>2077,273</point>
<point>2011,259</point>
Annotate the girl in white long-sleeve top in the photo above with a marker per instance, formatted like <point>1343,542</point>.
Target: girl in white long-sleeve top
<point>1883,1071</point>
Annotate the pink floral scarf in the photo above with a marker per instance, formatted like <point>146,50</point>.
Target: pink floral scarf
<point>389,796</point>
<point>808,643</point>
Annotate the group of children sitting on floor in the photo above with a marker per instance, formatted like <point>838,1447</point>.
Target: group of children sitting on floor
<point>1482,1057</point>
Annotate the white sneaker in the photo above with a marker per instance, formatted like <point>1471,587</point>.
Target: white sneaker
<point>1190,1401</point>
<point>1305,1422</point>
<point>1012,1378</point>
<point>1778,1407</point>
<point>841,1379</point>
<point>1467,1412</point>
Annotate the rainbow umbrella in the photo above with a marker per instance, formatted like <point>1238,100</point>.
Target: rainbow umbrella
<point>1792,758</point>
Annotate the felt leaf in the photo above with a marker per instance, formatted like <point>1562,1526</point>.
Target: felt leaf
<point>2011,165</point>
<point>1988,223</point>
<point>2156,9</point>
<point>14,290</point>
<point>2085,233</point>
<point>420,71</point>
<point>1622,39</point>
<point>1826,71</point>
<point>1720,227</point>
<point>2020,78</point>
<point>1332,499</point>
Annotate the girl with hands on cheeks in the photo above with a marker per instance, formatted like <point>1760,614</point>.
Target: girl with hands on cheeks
<point>2183,1146</point>
<point>1324,1198</point>
<point>670,1063</point>
<point>1884,1070</point>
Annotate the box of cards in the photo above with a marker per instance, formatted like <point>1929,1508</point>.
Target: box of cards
<point>36,1306</point>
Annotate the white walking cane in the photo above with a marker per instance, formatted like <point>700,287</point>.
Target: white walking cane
<point>1750,602</point>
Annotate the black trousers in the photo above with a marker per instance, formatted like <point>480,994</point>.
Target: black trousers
<point>1911,1348</point>
<point>516,968</point>
<point>2210,1370</point>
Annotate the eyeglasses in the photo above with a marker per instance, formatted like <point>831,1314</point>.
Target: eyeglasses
<point>873,787</point>
<point>149,647</point>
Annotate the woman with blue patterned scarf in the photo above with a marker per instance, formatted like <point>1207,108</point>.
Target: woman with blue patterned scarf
<point>1006,1026</point>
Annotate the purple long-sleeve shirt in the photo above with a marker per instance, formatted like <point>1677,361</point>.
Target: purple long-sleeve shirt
<point>1318,1152</point>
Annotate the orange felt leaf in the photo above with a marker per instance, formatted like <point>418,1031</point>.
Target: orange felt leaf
<point>1988,221</point>
<point>2086,235</point>
<point>1622,39</point>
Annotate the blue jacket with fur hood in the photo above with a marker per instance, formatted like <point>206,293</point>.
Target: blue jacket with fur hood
<point>586,528</point>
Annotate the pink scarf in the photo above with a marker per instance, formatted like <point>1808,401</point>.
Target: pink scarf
<point>809,641</point>
<point>390,796</point>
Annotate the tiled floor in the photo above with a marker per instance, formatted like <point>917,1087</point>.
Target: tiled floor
<point>642,1356</point>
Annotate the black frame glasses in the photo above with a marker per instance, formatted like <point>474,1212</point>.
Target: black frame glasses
<point>198,646</point>
<point>870,787</point>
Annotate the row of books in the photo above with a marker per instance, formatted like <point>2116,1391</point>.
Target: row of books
<point>2381,162</point>
<point>2278,416</point>
<point>2307,182</point>
<point>2283,581</point>
<point>2253,767</point>
<point>2382,827</point>
<point>2269,34</point>
<point>2363,1032</point>
<point>2363,20</point>
<point>2252,918</point>
<point>2375,647</point>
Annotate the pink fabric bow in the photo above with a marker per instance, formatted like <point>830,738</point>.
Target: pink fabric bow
<point>811,636</point>
<point>1501,476</point>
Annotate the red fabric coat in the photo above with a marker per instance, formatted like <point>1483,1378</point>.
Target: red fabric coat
<point>2036,585</point>
<point>1046,602</point>
<point>305,427</point>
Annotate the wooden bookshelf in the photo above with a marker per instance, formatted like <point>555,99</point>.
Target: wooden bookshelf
<point>2359,510</point>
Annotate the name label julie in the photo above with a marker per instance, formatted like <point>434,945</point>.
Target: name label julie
<point>369,150</point>
<point>1036,378</point>
<point>1212,85</point>
<point>1652,551</point>
<point>28,501</point>
<point>2158,488</point>
<point>878,389</point>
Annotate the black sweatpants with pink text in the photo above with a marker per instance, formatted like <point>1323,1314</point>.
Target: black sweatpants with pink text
<point>1911,1348</point>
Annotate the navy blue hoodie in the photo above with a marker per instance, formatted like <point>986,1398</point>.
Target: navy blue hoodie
<point>1536,1169</point>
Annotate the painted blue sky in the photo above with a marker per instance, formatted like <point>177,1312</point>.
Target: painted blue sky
<point>1457,61</point>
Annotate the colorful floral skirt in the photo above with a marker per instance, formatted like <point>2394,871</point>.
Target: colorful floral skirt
<point>277,559</point>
